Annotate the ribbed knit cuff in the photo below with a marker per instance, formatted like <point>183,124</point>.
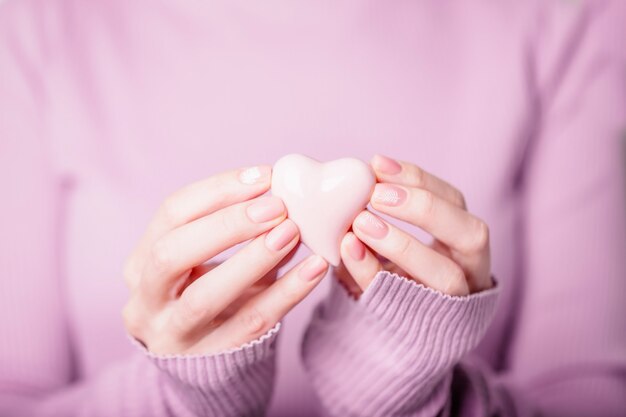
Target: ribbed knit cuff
<point>391,352</point>
<point>235,382</point>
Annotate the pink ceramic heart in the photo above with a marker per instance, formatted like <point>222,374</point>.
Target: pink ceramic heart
<point>323,198</point>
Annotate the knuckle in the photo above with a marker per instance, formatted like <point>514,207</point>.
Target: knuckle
<point>230,222</point>
<point>403,247</point>
<point>253,322</point>
<point>132,319</point>
<point>161,255</point>
<point>217,182</point>
<point>170,211</point>
<point>289,293</point>
<point>129,272</point>
<point>480,237</point>
<point>458,199</point>
<point>425,201</point>
<point>218,186</point>
<point>417,176</point>
<point>185,316</point>
<point>190,310</point>
<point>455,281</point>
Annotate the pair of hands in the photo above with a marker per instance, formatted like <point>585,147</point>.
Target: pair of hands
<point>182,304</point>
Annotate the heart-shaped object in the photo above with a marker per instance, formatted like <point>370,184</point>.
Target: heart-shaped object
<point>323,198</point>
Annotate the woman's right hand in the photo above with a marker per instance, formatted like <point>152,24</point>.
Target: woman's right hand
<point>181,304</point>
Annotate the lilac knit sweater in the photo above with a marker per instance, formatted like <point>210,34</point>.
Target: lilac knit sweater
<point>108,106</point>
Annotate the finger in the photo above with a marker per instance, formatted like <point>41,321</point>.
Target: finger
<point>455,227</point>
<point>359,261</point>
<point>194,201</point>
<point>207,296</point>
<point>465,235</point>
<point>194,243</point>
<point>418,260</point>
<point>211,194</point>
<point>346,280</point>
<point>267,308</point>
<point>405,173</point>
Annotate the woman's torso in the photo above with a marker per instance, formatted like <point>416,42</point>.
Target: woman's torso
<point>144,98</point>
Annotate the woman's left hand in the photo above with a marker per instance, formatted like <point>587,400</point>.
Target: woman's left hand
<point>458,260</point>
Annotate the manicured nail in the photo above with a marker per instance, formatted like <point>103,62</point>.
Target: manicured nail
<point>282,234</point>
<point>265,209</point>
<point>386,165</point>
<point>312,268</point>
<point>356,248</point>
<point>371,225</point>
<point>253,175</point>
<point>388,195</point>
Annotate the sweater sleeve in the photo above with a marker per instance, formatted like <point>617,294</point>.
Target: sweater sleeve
<point>392,352</point>
<point>37,359</point>
<point>405,350</point>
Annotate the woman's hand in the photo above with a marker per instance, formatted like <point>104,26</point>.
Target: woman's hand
<point>180,304</point>
<point>458,260</point>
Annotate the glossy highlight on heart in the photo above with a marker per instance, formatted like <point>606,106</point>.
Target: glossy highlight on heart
<point>323,198</point>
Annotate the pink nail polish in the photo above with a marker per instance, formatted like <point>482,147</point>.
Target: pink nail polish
<point>265,209</point>
<point>282,234</point>
<point>386,165</point>
<point>356,248</point>
<point>256,174</point>
<point>312,268</point>
<point>371,225</point>
<point>389,195</point>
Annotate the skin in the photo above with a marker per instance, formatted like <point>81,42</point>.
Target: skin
<point>181,302</point>
<point>456,263</point>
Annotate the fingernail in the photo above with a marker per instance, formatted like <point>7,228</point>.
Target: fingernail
<point>282,234</point>
<point>253,175</point>
<point>312,268</point>
<point>388,195</point>
<point>386,165</point>
<point>265,209</point>
<point>371,225</point>
<point>356,248</point>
